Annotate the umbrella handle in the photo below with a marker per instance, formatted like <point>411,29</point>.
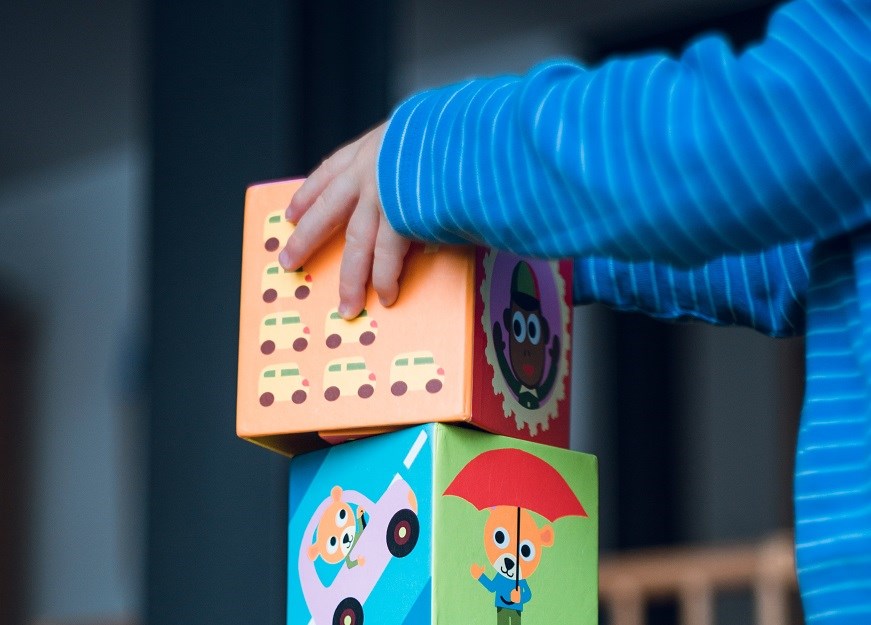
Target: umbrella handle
<point>517,573</point>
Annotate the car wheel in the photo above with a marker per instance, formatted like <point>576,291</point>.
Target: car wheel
<point>434,386</point>
<point>270,295</point>
<point>267,347</point>
<point>302,292</point>
<point>366,391</point>
<point>298,396</point>
<point>333,341</point>
<point>267,399</point>
<point>348,612</point>
<point>332,393</point>
<point>398,388</point>
<point>367,338</point>
<point>271,244</point>
<point>402,533</point>
<point>300,344</point>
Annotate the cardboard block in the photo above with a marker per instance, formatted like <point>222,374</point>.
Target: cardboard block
<point>476,336</point>
<point>421,526</point>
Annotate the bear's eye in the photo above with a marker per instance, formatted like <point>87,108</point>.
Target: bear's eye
<point>518,326</point>
<point>527,550</point>
<point>332,545</point>
<point>341,515</point>
<point>500,537</point>
<point>533,329</point>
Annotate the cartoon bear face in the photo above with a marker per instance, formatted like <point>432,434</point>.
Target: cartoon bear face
<point>500,542</point>
<point>336,531</point>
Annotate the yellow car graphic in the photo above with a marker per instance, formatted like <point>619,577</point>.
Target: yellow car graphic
<point>283,330</point>
<point>362,329</point>
<point>280,283</point>
<point>276,231</point>
<point>282,383</point>
<point>415,371</point>
<point>348,376</point>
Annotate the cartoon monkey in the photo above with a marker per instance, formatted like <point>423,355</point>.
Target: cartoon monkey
<point>528,335</point>
<point>500,543</point>
<point>338,531</point>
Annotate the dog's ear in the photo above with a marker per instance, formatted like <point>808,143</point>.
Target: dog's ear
<point>336,493</point>
<point>313,552</point>
<point>546,536</point>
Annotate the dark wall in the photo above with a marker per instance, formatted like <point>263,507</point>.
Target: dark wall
<point>240,92</point>
<point>16,347</point>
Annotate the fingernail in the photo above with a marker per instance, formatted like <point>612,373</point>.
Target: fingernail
<point>284,258</point>
<point>344,309</point>
<point>288,213</point>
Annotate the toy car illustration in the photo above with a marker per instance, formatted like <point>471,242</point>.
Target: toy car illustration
<point>282,383</point>
<point>348,376</point>
<point>415,371</point>
<point>362,329</point>
<point>276,231</point>
<point>391,532</point>
<point>280,283</point>
<point>283,330</point>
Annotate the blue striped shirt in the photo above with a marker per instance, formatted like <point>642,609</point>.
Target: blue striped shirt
<point>732,188</point>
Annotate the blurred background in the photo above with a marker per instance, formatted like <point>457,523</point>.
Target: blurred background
<point>128,133</point>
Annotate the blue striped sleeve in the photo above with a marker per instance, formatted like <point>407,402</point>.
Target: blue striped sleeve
<point>765,291</point>
<point>650,158</point>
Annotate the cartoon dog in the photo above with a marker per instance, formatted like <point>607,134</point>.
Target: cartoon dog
<point>338,531</point>
<point>500,543</point>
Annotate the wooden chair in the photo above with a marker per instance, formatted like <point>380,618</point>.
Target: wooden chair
<point>694,575</point>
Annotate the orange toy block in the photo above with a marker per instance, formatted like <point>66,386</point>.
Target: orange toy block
<point>477,336</point>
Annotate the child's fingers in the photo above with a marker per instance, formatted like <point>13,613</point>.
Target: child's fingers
<point>329,211</point>
<point>357,259</point>
<point>315,185</point>
<point>390,251</point>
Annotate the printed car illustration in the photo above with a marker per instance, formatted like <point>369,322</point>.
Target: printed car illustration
<point>282,383</point>
<point>276,231</point>
<point>391,532</point>
<point>362,329</point>
<point>415,371</point>
<point>348,376</point>
<point>280,283</point>
<point>283,330</point>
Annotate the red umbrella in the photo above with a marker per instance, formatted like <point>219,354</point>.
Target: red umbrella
<point>512,477</point>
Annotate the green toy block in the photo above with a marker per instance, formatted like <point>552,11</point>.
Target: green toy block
<point>421,526</point>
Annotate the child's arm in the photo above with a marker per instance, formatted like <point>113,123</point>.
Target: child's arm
<point>649,158</point>
<point>765,291</point>
<point>677,161</point>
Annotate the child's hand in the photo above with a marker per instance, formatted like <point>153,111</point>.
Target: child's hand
<point>343,193</point>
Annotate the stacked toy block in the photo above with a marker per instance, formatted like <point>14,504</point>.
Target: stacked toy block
<point>414,519</point>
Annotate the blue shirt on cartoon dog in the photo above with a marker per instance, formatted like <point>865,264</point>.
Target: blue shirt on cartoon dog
<point>503,586</point>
